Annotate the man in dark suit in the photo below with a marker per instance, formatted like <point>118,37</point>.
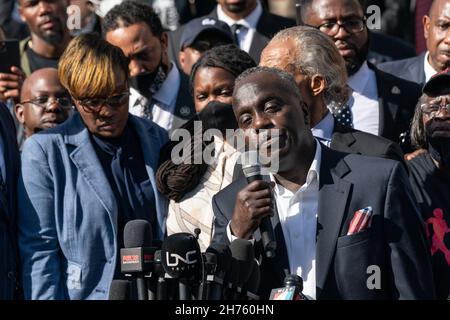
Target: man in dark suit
<point>322,79</point>
<point>252,25</point>
<point>381,104</point>
<point>9,171</point>
<point>159,91</point>
<point>321,195</point>
<point>420,69</point>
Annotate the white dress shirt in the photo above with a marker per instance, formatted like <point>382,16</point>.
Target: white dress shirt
<point>323,131</point>
<point>428,68</point>
<point>364,103</point>
<point>297,213</point>
<point>163,109</point>
<point>250,22</point>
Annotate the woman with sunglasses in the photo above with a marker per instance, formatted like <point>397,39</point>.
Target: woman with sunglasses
<point>82,181</point>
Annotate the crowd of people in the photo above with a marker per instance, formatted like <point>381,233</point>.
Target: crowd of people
<point>91,123</point>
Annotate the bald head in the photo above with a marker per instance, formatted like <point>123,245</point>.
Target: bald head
<point>40,80</point>
<point>44,104</point>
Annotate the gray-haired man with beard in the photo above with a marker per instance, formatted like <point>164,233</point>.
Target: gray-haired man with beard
<point>430,173</point>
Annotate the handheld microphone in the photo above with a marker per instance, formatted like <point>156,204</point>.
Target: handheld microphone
<point>181,259</point>
<point>217,262</point>
<point>137,256</point>
<point>242,251</point>
<point>293,287</point>
<point>120,290</point>
<point>252,172</point>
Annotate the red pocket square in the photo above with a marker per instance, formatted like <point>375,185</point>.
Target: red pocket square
<point>361,221</point>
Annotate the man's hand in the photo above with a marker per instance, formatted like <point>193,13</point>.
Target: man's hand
<point>11,84</point>
<point>253,203</point>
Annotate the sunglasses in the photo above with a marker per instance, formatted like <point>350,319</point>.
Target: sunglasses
<point>94,105</point>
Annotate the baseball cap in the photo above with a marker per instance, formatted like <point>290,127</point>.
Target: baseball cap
<point>195,27</point>
<point>438,84</point>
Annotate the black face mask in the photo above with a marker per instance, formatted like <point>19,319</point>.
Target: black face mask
<point>148,83</point>
<point>217,115</point>
<point>438,137</point>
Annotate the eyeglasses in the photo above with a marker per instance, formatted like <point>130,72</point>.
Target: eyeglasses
<point>352,26</point>
<point>433,109</point>
<point>94,105</point>
<point>45,101</point>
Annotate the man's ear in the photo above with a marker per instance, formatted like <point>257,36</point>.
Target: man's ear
<point>18,110</point>
<point>426,26</point>
<point>182,58</point>
<point>165,40</point>
<point>317,84</point>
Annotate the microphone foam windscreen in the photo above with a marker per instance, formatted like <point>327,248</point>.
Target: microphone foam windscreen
<point>250,163</point>
<point>242,252</point>
<point>120,290</point>
<point>181,255</point>
<point>242,249</point>
<point>223,256</point>
<point>137,233</point>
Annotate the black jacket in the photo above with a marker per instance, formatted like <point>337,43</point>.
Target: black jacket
<point>395,241</point>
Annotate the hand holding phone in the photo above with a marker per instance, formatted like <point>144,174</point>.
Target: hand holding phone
<point>11,76</point>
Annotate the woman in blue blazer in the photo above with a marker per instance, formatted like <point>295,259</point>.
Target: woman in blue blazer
<point>83,180</point>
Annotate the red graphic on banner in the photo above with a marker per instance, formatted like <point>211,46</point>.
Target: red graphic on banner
<point>440,229</point>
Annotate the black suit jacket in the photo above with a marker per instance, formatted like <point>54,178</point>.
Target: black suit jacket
<point>268,25</point>
<point>8,206</point>
<point>350,140</point>
<point>397,100</point>
<point>395,242</point>
<point>411,69</point>
<point>384,48</point>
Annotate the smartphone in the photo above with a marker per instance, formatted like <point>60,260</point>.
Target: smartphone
<point>9,55</point>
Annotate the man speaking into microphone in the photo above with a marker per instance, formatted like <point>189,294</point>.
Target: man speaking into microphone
<point>347,224</point>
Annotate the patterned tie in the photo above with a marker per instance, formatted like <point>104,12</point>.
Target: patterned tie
<point>236,29</point>
<point>343,114</point>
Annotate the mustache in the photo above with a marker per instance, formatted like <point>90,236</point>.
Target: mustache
<point>437,128</point>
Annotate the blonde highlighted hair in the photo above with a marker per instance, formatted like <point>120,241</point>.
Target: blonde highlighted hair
<point>88,65</point>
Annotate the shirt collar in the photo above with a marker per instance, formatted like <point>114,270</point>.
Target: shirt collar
<point>428,68</point>
<point>324,129</point>
<point>169,89</point>
<point>313,173</point>
<point>249,21</point>
<point>359,80</point>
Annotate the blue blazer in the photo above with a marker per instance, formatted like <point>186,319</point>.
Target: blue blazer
<point>68,214</point>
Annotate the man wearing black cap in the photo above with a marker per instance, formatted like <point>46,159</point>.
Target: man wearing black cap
<point>199,35</point>
<point>430,173</point>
